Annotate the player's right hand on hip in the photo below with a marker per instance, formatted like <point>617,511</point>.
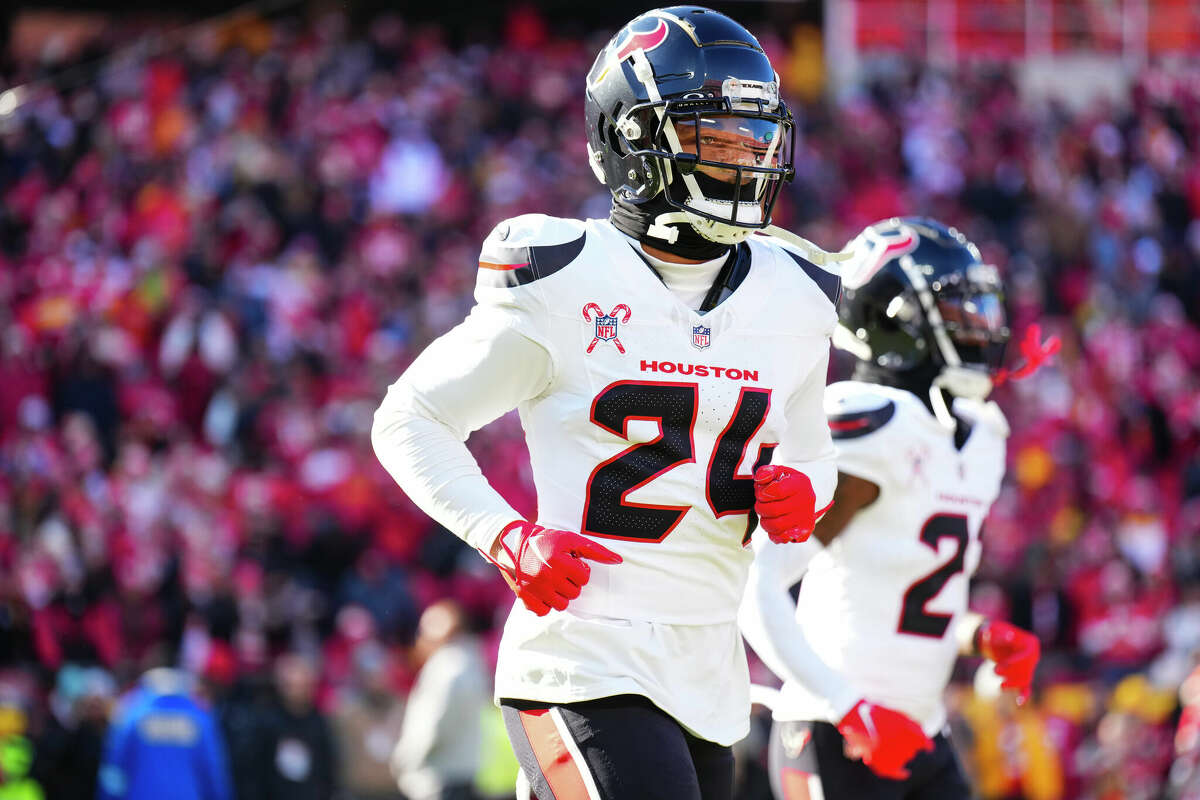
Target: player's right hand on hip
<point>546,567</point>
<point>785,503</point>
<point>884,739</point>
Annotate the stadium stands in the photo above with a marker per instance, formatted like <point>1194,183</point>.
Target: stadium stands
<point>213,261</point>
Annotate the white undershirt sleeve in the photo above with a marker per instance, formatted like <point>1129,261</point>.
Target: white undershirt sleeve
<point>768,622</point>
<point>807,445</point>
<point>473,374</point>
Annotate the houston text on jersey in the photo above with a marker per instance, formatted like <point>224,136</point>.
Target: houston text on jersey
<point>700,370</point>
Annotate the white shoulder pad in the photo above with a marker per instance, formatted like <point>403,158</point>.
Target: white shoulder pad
<point>846,397</point>
<point>825,278</point>
<point>527,248</point>
<point>871,425</point>
<point>530,230</point>
<point>857,409</point>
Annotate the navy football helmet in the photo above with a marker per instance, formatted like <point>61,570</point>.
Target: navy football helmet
<point>683,106</point>
<point>919,304</point>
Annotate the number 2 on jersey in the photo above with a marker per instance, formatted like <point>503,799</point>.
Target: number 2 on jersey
<point>607,512</point>
<point>914,619</point>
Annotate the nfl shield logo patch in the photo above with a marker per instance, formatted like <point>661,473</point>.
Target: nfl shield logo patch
<point>606,328</point>
<point>701,337</point>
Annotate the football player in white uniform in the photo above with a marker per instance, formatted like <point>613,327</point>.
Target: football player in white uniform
<point>882,612</point>
<point>669,366</point>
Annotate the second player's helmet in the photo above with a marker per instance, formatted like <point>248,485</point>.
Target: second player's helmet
<point>685,122</point>
<point>919,301</point>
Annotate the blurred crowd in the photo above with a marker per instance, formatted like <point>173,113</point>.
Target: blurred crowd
<point>214,257</point>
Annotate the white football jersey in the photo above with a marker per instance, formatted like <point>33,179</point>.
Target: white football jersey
<point>880,603</point>
<point>644,426</point>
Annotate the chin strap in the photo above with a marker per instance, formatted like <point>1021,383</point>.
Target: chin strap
<point>660,227</point>
<point>815,254</point>
<point>937,401</point>
<point>1034,351</point>
<point>964,382</point>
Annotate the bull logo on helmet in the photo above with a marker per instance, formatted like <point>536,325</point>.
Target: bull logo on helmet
<point>643,41</point>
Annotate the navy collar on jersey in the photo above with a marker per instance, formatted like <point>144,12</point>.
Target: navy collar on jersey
<point>962,431</point>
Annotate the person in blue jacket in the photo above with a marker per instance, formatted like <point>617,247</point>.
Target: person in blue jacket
<point>163,743</point>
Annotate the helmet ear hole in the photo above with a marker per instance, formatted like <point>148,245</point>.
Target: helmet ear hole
<point>614,140</point>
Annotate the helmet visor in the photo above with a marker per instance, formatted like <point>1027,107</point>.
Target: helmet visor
<point>737,162</point>
<point>724,142</point>
<point>976,323</point>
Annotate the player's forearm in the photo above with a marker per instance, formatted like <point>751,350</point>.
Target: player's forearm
<point>807,445</point>
<point>966,633</point>
<point>466,378</point>
<point>767,621</point>
<point>821,471</point>
<point>436,470</point>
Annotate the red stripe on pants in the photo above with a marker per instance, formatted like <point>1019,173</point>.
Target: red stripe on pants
<point>795,784</point>
<point>560,770</point>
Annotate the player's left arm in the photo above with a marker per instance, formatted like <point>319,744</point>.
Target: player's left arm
<point>852,495</point>
<point>883,738</point>
<point>768,622</point>
<point>1015,652</point>
<point>796,489</point>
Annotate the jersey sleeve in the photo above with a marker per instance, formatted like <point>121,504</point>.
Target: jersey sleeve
<point>827,281</point>
<point>496,359</point>
<point>768,622</point>
<point>806,445</point>
<point>862,423</point>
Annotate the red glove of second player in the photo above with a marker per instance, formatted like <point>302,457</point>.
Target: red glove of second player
<point>884,739</point>
<point>547,566</point>
<point>1016,653</point>
<point>785,503</point>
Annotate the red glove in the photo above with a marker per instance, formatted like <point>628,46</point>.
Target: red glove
<point>884,739</point>
<point>1015,652</point>
<point>785,504</point>
<point>548,570</point>
<point>1034,351</point>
